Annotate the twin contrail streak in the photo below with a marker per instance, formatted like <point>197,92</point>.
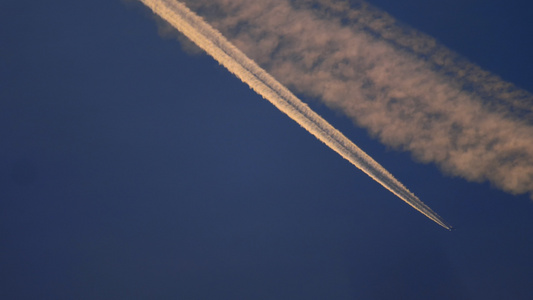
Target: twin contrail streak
<point>211,41</point>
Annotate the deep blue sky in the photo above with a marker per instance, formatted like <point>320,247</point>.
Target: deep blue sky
<point>132,170</point>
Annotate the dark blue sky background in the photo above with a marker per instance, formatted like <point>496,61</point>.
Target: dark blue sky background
<point>132,170</point>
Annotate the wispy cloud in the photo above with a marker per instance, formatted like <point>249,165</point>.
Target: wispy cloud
<point>405,88</point>
<point>210,40</point>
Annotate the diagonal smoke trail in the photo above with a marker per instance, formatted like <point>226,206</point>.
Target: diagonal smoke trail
<point>407,89</point>
<point>357,14</point>
<point>210,40</point>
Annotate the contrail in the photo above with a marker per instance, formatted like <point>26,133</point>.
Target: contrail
<point>405,88</point>
<point>211,41</point>
<point>359,15</point>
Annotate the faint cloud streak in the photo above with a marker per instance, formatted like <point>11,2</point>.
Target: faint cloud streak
<point>405,88</point>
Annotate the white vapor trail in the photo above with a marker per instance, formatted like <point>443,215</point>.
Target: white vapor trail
<point>408,90</point>
<point>211,41</point>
